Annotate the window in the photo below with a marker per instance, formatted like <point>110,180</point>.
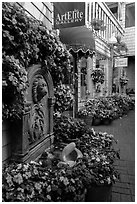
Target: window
<point>130,15</point>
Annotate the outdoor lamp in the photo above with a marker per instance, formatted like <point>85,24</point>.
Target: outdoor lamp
<point>113,39</point>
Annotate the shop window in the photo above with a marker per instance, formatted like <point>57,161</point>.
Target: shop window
<point>130,15</point>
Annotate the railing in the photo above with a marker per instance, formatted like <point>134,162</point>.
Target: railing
<point>100,11</point>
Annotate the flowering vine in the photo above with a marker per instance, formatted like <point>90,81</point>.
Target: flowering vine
<point>26,41</point>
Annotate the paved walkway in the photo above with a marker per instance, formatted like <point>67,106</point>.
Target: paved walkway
<point>124,131</point>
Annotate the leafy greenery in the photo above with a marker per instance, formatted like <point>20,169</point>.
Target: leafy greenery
<point>32,182</point>
<point>67,128</point>
<point>107,107</point>
<point>97,148</point>
<point>97,75</point>
<point>26,41</point>
<point>64,98</point>
<point>47,181</point>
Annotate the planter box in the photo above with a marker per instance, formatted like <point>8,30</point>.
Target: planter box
<point>81,198</point>
<point>96,121</point>
<point>106,121</point>
<point>99,193</point>
<point>88,120</point>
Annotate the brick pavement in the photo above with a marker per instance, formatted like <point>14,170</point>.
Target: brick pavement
<point>124,189</point>
<point>124,131</point>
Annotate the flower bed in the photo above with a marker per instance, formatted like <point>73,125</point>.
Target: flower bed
<point>32,182</point>
<point>107,108</point>
<point>48,181</point>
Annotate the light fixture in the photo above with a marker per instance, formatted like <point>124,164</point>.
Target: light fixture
<point>113,39</point>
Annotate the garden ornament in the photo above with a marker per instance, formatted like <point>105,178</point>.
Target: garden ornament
<point>70,154</point>
<point>39,89</point>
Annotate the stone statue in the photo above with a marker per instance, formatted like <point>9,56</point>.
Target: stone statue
<point>39,89</point>
<point>37,113</point>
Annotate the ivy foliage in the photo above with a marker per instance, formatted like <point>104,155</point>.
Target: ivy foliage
<point>26,41</point>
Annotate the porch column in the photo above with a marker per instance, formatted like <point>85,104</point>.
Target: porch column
<point>90,86</point>
<point>91,64</point>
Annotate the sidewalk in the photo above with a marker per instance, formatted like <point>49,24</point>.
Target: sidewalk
<point>124,131</point>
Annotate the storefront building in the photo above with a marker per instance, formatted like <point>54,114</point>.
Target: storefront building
<point>87,29</point>
<point>125,13</point>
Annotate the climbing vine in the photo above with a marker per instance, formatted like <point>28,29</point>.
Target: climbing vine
<point>26,41</point>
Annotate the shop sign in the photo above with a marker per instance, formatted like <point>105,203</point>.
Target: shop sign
<point>121,62</point>
<point>69,14</point>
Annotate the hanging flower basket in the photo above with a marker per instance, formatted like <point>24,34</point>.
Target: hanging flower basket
<point>98,24</point>
<point>123,81</point>
<point>97,76</point>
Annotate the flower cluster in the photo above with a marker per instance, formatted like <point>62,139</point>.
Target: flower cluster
<point>14,85</point>
<point>99,155</point>
<point>26,41</point>
<point>47,181</point>
<point>33,182</point>
<point>64,98</point>
<point>98,24</point>
<point>122,104</point>
<point>107,107</point>
<point>67,128</point>
<point>97,75</point>
<point>40,182</point>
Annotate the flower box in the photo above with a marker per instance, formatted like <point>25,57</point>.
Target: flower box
<point>96,121</point>
<point>106,121</point>
<point>80,198</point>
<point>100,193</point>
<point>88,120</point>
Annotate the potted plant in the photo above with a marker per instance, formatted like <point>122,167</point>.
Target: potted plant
<point>97,118</point>
<point>87,114</point>
<point>107,116</point>
<point>98,24</point>
<point>99,156</point>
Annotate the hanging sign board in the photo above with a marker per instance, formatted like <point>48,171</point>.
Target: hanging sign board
<point>69,14</point>
<point>121,62</point>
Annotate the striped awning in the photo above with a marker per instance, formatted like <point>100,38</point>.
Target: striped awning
<point>78,39</point>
